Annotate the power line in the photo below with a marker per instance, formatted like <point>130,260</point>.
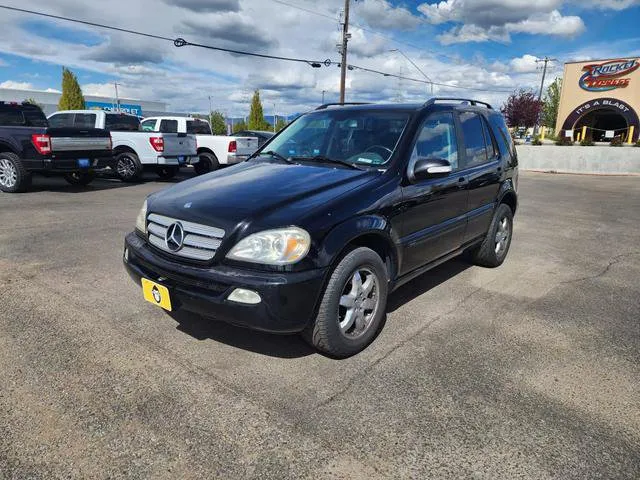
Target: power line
<point>180,42</point>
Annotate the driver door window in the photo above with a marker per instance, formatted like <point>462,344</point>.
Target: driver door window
<point>437,139</point>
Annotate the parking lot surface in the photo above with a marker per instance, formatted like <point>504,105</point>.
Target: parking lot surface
<point>531,370</point>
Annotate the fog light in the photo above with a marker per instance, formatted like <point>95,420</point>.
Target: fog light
<point>126,255</point>
<point>240,295</point>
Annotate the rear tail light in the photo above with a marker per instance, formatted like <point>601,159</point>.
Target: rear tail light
<point>233,146</point>
<point>42,143</point>
<point>157,143</point>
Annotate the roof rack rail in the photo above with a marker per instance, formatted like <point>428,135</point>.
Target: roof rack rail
<point>433,100</point>
<point>324,106</point>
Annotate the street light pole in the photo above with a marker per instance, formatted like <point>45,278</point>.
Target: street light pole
<point>117,98</point>
<point>210,111</point>
<point>416,66</point>
<point>275,118</point>
<point>323,92</point>
<point>544,60</point>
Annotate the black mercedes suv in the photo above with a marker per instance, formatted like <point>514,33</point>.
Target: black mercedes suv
<point>344,205</point>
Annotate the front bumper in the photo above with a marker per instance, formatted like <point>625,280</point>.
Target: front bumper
<point>288,300</point>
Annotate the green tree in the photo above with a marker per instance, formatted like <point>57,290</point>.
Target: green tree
<point>72,98</point>
<point>31,101</point>
<point>280,124</point>
<point>256,114</point>
<point>218,123</point>
<point>239,126</point>
<point>550,103</point>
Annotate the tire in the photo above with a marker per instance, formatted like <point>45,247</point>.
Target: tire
<point>167,172</point>
<point>14,178</point>
<point>128,167</point>
<point>79,178</point>
<point>334,330</point>
<point>208,163</point>
<point>489,253</point>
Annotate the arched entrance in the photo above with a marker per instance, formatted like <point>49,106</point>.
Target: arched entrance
<point>601,115</point>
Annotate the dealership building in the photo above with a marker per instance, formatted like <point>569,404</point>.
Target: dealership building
<point>600,100</point>
<point>49,102</point>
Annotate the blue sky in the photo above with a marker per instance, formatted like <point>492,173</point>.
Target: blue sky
<point>488,45</point>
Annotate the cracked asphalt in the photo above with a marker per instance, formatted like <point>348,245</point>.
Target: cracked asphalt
<point>531,370</point>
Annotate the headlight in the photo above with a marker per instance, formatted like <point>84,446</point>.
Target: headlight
<point>141,221</point>
<point>283,246</point>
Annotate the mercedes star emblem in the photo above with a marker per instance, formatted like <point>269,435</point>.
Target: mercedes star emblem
<point>174,237</point>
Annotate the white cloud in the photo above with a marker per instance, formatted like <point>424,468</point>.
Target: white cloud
<point>473,33</point>
<point>16,85</point>
<point>552,23</point>
<point>524,64</point>
<point>381,14</point>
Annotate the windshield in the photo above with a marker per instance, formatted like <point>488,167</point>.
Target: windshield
<point>362,137</point>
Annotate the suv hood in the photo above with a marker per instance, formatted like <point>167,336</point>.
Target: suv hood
<point>249,191</point>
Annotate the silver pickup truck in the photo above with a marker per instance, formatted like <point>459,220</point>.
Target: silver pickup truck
<point>134,150</point>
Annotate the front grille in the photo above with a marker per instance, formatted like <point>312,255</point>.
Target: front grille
<point>200,241</point>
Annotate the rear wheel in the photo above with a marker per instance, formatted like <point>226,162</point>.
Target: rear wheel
<point>352,307</point>
<point>14,177</point>
<point>208,163</point>
<point>79,178</point>
<point>167,172</point>
<point>128,167</point>
<point>493,250</point>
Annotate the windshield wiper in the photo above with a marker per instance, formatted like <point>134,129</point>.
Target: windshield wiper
<point>322,158</point>
<point>273,154</point>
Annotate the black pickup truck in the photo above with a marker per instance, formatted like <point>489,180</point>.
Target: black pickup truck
<point>28,145</point>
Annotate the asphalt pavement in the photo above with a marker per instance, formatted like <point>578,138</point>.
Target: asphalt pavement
<point>531,370</point>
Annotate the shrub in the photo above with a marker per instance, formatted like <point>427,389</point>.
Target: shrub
<point>564,141</point>
<point>637,144</point>
<point>536,141</point>
<point>587,142</point>
<point>616,142</point>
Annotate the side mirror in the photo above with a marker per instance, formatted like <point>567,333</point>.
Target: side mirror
<point>431,168</point>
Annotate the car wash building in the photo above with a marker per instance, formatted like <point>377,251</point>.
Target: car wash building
<point>600,100</point>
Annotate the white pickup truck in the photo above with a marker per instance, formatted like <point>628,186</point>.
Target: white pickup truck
<point>133,149</point>
<point>213,150</point>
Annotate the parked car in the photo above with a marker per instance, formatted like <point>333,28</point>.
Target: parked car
<point>29,145</point>
<point>134,150</point>
<point>214,150</point>
<point>346,204</point>
<point>261,135</point>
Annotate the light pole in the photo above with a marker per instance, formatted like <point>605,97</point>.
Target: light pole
<point>117,98</point>
<point>323,92</point>
<point>275,118</point>
<point>416,66</point>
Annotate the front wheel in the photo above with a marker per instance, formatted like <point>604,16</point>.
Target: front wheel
<point>167,172</point>
<point>79,178</point>
<point>493,250</point>
<point>352,307</point>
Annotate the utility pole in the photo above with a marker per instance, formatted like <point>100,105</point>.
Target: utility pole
<point>345,40</point>
<point>544,60</point>
<point>117,98</point>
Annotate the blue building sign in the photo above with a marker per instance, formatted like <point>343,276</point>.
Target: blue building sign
<point>112,107</point>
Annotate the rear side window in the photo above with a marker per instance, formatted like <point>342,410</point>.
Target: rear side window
<point>197,127</point>
<point>505,143</point>
<point>122,123</point>
<point>488,140</point>
<point>61,120</point>
<point>169,126</point>
<point>85,120</point>
<point>148,126</point>
<point>474,141</point>
<point>34,117</point>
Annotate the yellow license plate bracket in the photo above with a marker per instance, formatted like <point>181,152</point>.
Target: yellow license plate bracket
<point>157,294</point>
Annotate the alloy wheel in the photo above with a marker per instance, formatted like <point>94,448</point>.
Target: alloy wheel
<point>359,303</point>
<point>502,236</point>
<point>126,167</point>
<point>8,173</point>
